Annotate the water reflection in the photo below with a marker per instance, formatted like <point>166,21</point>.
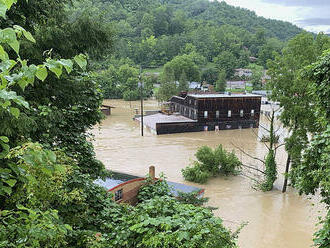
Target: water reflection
<point>275,219</point>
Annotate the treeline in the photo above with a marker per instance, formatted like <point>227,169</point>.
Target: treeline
<point>149,34</point>
<point>153,32</point>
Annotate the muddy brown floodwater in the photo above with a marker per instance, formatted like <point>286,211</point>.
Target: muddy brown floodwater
<point>275,220</point>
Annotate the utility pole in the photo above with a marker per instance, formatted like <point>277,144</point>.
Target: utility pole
<point>141,96</point>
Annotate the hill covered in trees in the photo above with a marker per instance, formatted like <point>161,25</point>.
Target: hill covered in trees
<point>213,37</point>
<point>151,33</point>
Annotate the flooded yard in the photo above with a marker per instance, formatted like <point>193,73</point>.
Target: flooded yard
<point>274,219</point>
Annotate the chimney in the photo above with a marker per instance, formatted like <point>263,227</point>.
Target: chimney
<point>152,172</point>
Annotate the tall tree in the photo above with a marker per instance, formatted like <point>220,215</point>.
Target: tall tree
<point>304,94</point>
<point>291,90</point>
<point>221,83</point>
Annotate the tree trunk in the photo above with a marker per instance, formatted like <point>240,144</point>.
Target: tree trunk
<point>286,174</point>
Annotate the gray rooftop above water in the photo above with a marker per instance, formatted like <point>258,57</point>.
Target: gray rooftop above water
<point>222,95</point>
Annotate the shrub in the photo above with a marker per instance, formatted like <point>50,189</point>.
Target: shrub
<point>230,164</point>
<point>211,163</point>
<point>196,173</point>
<point>153,188</point>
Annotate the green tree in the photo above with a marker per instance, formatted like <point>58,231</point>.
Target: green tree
<point>268,51</point>
<point>304,98</point>
<point>226,61</point>
<point>182,63</point>
<point>166,91</point>
<point>221,83</point>
<point>210,75</point>
<point>292,91</point>
<point>313,173</point>
<point>256,78</point>
<point>183,82</point>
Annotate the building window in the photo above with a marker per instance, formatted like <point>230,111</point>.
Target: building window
<point>205,114</point>
<point>217,114</point>
<point>229,113</point>
<point>241,113</point>
<point>118,195</point>
<point>252,112</point>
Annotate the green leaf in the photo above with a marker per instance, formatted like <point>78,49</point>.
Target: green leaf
<point>9,3</point>
<point>5,151</point>
<point>81,61</point>
<point>20,101</point>
<point>3,10</point>
<point>67,63</point>
<point>14,111</point>
<point>10,182</point>
<point>6,189</point>
<point>7,65</point>
<point>55,67</point>
<point>57,71</point>
<point>42,73</point>
<point>23,83</point>
<point>14,45</point>
<point>4,139</point>
<point>21,207</point>
<point>29,36</point>
<point>3,54</point>
<point>68,227</point>
<point>8,35</point>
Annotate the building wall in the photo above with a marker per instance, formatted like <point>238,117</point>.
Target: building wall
<point>194,108</point>
<point>182,127</point>
<point>223,105</point>
<point>130,190</point>
<point>186,107</point>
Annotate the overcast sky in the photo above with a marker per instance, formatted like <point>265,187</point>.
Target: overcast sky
<point>312,15</point>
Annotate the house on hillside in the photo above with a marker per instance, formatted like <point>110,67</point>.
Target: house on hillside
<point>194,85</point>
<point>240,72</point>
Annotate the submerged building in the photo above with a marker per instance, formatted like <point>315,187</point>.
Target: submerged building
<point>207,112</point>
<point>125,188</point>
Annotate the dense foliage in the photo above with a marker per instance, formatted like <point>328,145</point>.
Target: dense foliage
<point>183,38</point>
<point>122,82</point>
<point>47,164</point>
<point>165,222</point>
<point>211,163</point>
<point>153,188</point>
<point>300,82</point>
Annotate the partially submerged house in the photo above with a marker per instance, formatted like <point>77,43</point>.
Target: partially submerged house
<point>207,112</point>
<point>125,188</point>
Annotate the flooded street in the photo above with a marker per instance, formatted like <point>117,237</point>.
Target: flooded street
<point>275,220</point>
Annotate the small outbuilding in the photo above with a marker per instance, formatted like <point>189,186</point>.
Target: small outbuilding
<point>125,188</point>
